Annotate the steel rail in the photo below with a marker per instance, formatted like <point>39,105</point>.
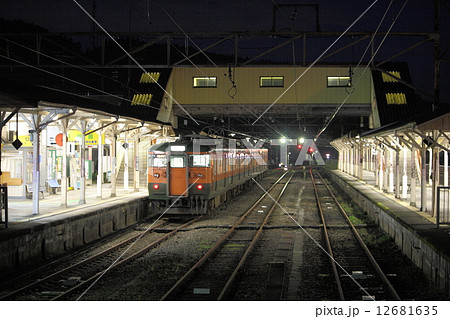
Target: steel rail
<point>78,264</point>
<point>216,246</point>
<point>128,259</point>
<point>327,239</point>
<point>360,241</point>
<point>253,242</point>
<point>65,258</point>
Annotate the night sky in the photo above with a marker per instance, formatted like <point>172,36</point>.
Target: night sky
<point>218,15</point>
<point>253,15</point>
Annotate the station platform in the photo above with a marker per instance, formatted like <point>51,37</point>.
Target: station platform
<point>421,222</point>
<point>31,239</point>
<point>20,209</point>
<point>414,231</point>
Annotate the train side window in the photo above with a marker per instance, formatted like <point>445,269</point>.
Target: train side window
<point>202,160</point>
<point>177,161</point>
<point>158,161</point>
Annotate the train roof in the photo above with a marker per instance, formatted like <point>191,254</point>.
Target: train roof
<point>206,144</point>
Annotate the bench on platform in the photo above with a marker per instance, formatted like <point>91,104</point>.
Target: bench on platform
<point>54,185</point>
<point>29,191</point>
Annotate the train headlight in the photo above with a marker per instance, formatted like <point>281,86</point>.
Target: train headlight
<point>199,187</point>
<point>155,186</point>
<point>156,175</point>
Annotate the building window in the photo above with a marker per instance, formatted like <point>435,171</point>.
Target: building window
<point>338,81</point>
<point>271,81</point>
<point>149,77</point>
<point>389,79</point>
<point>141,99</point>
<point>205,82</point>
<point>396,98</point>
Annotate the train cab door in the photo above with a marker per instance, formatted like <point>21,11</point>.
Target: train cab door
<point>178,175</point>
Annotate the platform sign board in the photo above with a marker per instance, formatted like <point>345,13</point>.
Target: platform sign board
<point>26,141</point>
<point>52,133</point>
<point>90,139</point>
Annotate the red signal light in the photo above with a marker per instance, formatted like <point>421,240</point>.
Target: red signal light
<point>310,150</point>
<point>199,187</point>
<point>299,146</point>
<point>155,186</point>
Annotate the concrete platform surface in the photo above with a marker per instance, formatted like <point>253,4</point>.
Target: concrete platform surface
<point>421,223</point>
<point>20,210</point>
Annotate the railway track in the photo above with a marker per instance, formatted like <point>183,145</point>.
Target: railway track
<point>64,283</point>
<point>212,277</point>
<point>356,273</point>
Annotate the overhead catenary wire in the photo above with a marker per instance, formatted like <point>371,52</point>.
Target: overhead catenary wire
<point>365,69</point>
<point>69,64</point>
<point>72,80</point>
<point>215,65</point>
<point>315,61</point>
<point>276,130</point>
<point>132,58</point>
<point>187,36</point>
<point>359,63</point>
<point>134,242</point>
<point>232,96</point>
<point>85,85</point>
<point>201,71</point>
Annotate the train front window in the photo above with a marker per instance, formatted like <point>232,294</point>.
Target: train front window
<point>177,161</point>
<point>200,160</point>
<point>158,161</point>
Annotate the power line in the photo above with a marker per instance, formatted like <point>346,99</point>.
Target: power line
<point>203,52</point>
<point>365,69</point>
<point>321,55</point>
<point>71,65</point>
<point>133,59</point>
<point>71,80</point>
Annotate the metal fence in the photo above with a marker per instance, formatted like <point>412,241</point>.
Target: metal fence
<point>443,206</point>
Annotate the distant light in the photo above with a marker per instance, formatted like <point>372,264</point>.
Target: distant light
<point>232,134</point>
<point>155,186</point>
<point>178,148</point>
<point>301,140</point>
<point>327,156</point>
<point>283,140</point>
<point>199,187</point>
